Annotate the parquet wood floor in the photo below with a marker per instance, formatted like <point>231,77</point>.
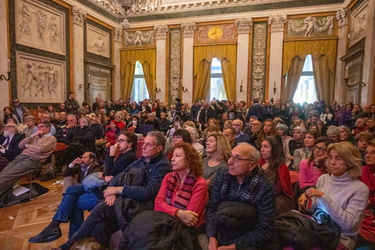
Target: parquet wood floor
<point>20,222</point>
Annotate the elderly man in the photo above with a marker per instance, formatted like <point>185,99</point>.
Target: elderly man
<point>9,144</point>
<point>240,135</point>
<point>107,217</point>
<point>242,188</point>
<point>36,149</point>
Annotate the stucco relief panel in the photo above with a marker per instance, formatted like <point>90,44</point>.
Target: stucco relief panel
<point>40,26</point>
<point>221,33</point>
<point>358,24</point>
<point>139,38</point>
<point>40,79</point>
<point>175,64</point>
<point>311,26</point>
<point>98,41</point>
<point>259,60</point>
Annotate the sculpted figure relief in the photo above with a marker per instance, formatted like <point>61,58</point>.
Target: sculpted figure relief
<point>26,18</point>
<point>54,31</point>
<point>98,44</point>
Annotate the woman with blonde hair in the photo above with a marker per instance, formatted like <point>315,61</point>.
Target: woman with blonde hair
<point>340,194</point>
<point>218,153</point>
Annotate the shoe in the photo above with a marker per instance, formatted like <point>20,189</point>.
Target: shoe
<point>47,177</point>
<point>47,235</point>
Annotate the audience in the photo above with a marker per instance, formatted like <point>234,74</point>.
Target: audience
<point>224,128</point>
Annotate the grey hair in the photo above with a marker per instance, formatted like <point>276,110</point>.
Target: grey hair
<point>194,133</point>
<point>159,136</point>
<point>333,130</point>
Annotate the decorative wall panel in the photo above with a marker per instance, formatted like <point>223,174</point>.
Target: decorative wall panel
<point>259,55</point>
<point>40,79</point>
<point>98,41</point>
<point>222,33</point>
<point>311,26</point>
<point>40,26</point>
<point>358,24</point>
<point>139,38</point>
<point>175,64</point>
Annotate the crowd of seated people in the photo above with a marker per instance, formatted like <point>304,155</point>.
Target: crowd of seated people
<point>247,155</point>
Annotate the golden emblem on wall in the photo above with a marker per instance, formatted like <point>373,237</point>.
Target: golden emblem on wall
<point>215,33</point>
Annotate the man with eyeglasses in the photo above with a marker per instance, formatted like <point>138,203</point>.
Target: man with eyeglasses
<point>113,214</point>
<point>241,209</point>
<point>9,142</point>
<point>240,135</point>
<point>76,199</point>
<point>36,149</point>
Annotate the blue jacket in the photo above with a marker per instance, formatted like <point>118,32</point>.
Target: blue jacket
<point>158,167</point>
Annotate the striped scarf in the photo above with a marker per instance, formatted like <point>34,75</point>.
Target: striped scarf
<point>250,192</point>
<point>184,194</point>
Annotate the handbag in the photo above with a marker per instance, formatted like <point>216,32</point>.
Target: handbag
<point>303,232</point>
<point>92,181</point>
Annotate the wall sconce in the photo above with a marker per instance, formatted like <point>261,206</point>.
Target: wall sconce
<point>184,89</point>
<point>346,79</point>
<point>241,85</point>
<point>158,90</point>
<point>81,86</point>
<point>274,87</point>
<point>3,77</point>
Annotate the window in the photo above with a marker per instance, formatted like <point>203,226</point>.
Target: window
<point>217,89</point>
<point>306,91</point>
<point>139,91</point>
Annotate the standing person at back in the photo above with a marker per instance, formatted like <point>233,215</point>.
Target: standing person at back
<point>71,104</point>
<point>257,110</point>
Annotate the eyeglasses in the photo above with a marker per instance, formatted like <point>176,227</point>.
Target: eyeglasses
<point>121,140</point>
<point>176,137</point>
<point>370,152</point>
<point>237,159</point>
<point>8,126</point>
<point>320,148</point>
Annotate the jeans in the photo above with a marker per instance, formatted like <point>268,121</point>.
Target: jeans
<point>100,224</point>
<point>74,202</point>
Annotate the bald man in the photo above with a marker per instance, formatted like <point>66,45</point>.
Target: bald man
<point>240,135</point>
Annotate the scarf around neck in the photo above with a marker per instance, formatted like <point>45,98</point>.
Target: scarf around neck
<point>184,194</point>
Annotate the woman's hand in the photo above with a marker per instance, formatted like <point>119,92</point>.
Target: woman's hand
<point>188,217</point>
<point>312,192</point>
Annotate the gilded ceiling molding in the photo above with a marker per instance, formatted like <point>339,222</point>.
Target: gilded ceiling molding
<point>277,22</point>
<point>188,29</point>
<point>79,15</point>
<point>161,32</point>
<point>341,18</point>
<point>243,25</point>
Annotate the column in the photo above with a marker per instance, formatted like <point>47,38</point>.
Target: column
<point>161,60</point>
<point>116,83</point>
<point>276,55</point>
<point>188,61</point>
<point>242,81</point>
<point>5,85</point>
<point>78,18</point>
<point>369,59</point>
<point>340,88</point>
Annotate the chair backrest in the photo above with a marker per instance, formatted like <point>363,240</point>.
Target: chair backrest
<point>144,129</point>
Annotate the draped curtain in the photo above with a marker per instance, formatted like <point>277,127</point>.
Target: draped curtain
<point>295,72</point>
<point>203,56</point>
<point>147,57</point>
<point>323,53</point>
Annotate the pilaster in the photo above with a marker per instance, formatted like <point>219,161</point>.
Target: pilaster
<point>161,60</point>
<point>188,30</point>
